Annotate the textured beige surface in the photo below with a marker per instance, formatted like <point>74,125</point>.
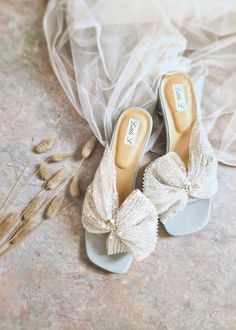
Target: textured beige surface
<point>48,283</point>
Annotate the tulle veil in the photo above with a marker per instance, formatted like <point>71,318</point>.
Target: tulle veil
<point>109,55</point>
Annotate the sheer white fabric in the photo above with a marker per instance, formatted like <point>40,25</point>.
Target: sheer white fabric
<point>109,55</point>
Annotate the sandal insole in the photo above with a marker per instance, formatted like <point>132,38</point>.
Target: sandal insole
<point>131,136</point>
<point>179,101</point>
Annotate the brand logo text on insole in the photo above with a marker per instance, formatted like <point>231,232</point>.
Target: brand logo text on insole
<point>131,132</point>
<point>180,98</point>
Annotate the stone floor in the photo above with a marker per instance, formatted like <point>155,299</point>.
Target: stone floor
<point>47,282</point>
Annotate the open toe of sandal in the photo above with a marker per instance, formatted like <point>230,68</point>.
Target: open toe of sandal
<point>193,218</point>
<point>97,254</point>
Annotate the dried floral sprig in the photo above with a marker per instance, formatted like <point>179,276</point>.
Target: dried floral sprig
<point>88,147</point>
<point>17,239</point>
<point>74,187</point>
<point>7,222</point>
<point>33,207</point>
<point>28,214</point>
<point>60,156</point>
<point>8,225</point>
<point>54,206</point>
<point>57,178</point>
<point>43,171</point>
<point>44,145</point>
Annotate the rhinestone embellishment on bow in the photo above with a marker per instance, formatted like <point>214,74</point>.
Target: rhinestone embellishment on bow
<point>113,228</point>
<point>188,186</point>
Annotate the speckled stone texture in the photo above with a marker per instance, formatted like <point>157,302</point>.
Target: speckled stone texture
<point>48,282</point>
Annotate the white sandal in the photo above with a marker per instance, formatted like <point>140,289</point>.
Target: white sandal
<point>120,222</point>
<point>182,183</point>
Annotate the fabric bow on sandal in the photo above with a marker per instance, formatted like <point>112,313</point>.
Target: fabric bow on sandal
<point>130,228</point>
<point>170,186</point>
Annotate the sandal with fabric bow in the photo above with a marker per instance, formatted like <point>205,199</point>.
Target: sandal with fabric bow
<point>120,222</point>
<point>182,183</point>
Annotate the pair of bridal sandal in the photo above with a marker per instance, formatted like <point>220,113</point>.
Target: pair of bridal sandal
<point>120,221</point>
